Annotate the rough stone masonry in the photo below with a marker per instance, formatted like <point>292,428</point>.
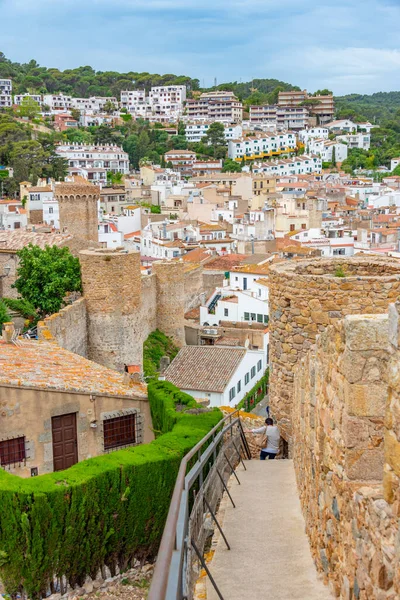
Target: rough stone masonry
<point>308,295</point>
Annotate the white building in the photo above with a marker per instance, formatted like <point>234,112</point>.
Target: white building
<point>356,140</point>
<point>228,304</point>
<point>341,125</point>
<point>395,162</point>
<point>94,104</point>
<point>320,133</point>
<point>18,98</point>
<point>195,132</point>
<point>256,148</point>
<point>325,149</point>
<point>163,104</point>
<point>12,215</point>
<point>5,93</point>
<point>51,212</point>
<point>93,162</point>
<point>335,241</point>
<point>284,117</point>
<point>57,102</point>
<point>220,375</point>
<point>300,165</point>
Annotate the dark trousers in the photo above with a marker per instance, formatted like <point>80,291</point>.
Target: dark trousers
<point>264,455</point>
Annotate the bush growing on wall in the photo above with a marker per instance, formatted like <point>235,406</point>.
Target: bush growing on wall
<point>155,347</point>
<point>106,510</point>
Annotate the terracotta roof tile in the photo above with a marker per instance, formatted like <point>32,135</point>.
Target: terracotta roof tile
<point>204,368</point>
<point>45,365</point>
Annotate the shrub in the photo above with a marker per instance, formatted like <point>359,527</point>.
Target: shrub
<point>252,398</point>
<point>155,347</point>
<point>106,510</point>
<point>339,272</point>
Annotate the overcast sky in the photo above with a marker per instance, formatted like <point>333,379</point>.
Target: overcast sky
<point>345,45</point>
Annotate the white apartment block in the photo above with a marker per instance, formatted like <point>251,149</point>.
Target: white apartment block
<point>93,104</point>
<point>321,133</point>
<point>300,165</point>
<point>215,106</point>
<point>255,148</point>
<point>5,93</point>
<point>58,102</point>
<point>356,140</point>
<point>195,132</point>
<point>93,162</point>
<point>331,242</point>
<point>51,212</point>
<point>284,117</point>
<point>164,103</point>
<point>168,94</point>
<point>324,149</point>
<point>18,98</point>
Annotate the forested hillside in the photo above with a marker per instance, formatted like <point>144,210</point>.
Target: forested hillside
<point>377,108</point>
<point>83,81</point>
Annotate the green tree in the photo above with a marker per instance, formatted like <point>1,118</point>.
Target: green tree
<point>28,108</point>
<point>333,161</point>
<point>231,166</point>
<point>76,114</point>
<point>4,314</point>
<point>215,135</point>
<point>181,128</point>
<point>46,276</point>
<point>27,159</point>
<point>109,107</point>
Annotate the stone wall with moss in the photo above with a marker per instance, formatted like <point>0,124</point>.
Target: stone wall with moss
<point>346,446</point>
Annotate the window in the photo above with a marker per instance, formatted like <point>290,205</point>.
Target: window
<point>304,226</point>
<point>232,393</point>
<point>247,316</point>
<point>119,431</point>
<point>259,318</point>
<point>259,365</point>
<point>253,372</point>
<point>12,451</point>
<point>246,378</point>
<point>292,228</point>
<point>266,318</point>
<point>253,316</point>
<point>226,312</point>
<point>239,386</point>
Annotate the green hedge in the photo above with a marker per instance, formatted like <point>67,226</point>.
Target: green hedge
<point>252,398</point>
<point>106,510</point>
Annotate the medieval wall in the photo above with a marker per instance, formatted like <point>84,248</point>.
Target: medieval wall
<point>346,446</point>
<point>193,286</point>
<point>308,295</point>
<point>68,328</point>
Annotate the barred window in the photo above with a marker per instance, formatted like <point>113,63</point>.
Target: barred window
<point>120,431</point>
<point>12,451</point>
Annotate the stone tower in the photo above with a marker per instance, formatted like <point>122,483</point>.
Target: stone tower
<point>170,299</point>
<point>78,205</point>
<point>308,295</point>
<point>112,288</point>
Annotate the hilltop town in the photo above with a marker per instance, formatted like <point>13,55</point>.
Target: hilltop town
<point>169,255</point>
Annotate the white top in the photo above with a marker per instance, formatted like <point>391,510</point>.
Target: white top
<point>273,437</point>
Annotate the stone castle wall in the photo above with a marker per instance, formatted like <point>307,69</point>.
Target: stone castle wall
<point>346,446</point>
<point>68,328</point>
<point>170,278</point>
<point>308,295</point>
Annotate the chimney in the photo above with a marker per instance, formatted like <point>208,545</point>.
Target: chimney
<point>8,332</point>
<point>164,363</point>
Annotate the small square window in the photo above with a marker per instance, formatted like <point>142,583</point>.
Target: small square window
<point>12,451</point>
<point>247,316</point>
<point>120,431</point>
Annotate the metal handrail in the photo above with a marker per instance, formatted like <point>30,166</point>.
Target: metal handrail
<point>173,539</point>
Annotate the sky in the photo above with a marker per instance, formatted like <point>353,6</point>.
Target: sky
<point>349,46</point>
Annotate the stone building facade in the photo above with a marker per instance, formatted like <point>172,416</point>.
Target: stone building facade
<point>308,295</point>
<point>346,434</point>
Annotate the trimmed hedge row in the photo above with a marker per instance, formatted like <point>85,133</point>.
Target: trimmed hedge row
<point>106,510</point>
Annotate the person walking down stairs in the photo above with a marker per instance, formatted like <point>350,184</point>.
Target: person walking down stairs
<point>268,439</point>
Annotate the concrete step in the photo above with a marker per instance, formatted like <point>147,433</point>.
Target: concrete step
<point>270,558</point>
